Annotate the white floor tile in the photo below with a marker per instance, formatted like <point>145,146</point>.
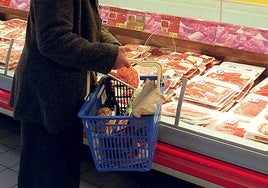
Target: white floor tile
<point>10,158</point>
<point>8,178</point>
<point>4,148</point>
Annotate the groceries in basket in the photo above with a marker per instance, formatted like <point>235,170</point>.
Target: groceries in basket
<point>111,101</point>
<point>145,100</point>
<point>105,111</point>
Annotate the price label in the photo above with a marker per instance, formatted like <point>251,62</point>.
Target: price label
<point>139,28</point>
<point>119,25</point>
<point>173,34</point>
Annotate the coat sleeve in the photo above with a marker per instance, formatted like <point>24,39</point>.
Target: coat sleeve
<point>55,21</point>
<point>107,37</point>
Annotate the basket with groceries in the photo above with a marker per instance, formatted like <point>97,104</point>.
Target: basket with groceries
<point>121,119</point>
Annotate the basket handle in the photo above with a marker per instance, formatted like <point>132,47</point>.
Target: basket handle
<point>155,34</point>
<point>155,64</point>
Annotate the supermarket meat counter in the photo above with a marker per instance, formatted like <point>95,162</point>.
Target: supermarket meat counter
<point>207,156</point>
<point>189,150</point>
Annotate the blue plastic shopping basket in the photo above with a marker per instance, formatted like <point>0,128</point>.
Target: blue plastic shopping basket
<point>127,145</point>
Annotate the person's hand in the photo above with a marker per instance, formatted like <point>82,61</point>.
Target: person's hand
<point>121,60</point>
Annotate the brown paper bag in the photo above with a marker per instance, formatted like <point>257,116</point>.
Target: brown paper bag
<point>146,102</point>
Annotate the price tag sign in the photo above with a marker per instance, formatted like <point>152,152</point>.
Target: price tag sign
<point>139,28</point>
<point>121,25</point>
<point>173,34</point>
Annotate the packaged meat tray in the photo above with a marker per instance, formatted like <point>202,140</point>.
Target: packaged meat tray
<point>201,58</point>
<point>181,62</point>
<point>255,70</point>
<point>251,106</point>
<point>208,92</point>
<point>143,71</point>
<point>240,78</point>
<point>178,62</point>
<point>12,37</point>
<point>172,83</point>
<point>190,113</point>
<point>181,66</point>
<point>14,23</point>
<point>128,76</point>
<point>244,92</point>
<point>4,46</point>
<point>156,53</point>
<point>13,57</point>
<point>224,122</point>
<point>261,88</point>
<point>229,123</point>
<point>259,131</point>
<point>136,51</point>
<point>13,29</point>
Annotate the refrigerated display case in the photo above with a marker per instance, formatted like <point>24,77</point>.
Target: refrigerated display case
<point>204,154</point>
<point>196,154</point>
<point>7,13</point>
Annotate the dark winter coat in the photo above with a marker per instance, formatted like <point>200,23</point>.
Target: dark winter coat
<point>64,39</point>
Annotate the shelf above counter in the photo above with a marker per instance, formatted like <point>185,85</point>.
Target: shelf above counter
<point>7,13</point>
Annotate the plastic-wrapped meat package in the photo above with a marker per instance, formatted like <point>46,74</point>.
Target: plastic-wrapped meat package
<point>240,78</point>
<point>259,131</point>
<point>190,113</point>
<point>255,70</point>
<point>177,61</point>
<point>261,88</point>
<point>137,51</point>
<point>251,106</point>
<point>230,124</point>
<point>128,76</point>
<point>143,71</point>
<point>4,45</point>
<point>203,59</point>
<point>208,92</point>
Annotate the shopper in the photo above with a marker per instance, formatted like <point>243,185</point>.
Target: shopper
<point>64,39</point>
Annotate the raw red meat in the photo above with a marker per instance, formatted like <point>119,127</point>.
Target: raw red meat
<point>262,90</point>
<point>251,108</point>
<point>127,75</point>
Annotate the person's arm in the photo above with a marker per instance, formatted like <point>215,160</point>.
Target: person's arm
<point>54,20</point>
<point>107,37</point>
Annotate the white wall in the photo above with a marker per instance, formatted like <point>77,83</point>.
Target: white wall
<point>245,14</point>
<point>214,10</point>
